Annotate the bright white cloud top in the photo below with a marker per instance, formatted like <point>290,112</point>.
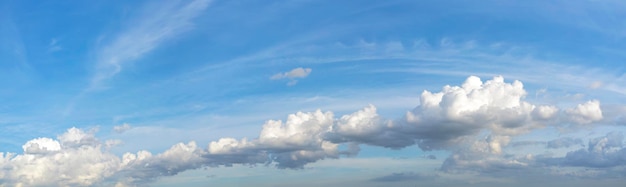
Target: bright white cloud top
<point>312,93</point>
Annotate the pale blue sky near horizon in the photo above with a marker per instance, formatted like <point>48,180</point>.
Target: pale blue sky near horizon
<point>151,74</point>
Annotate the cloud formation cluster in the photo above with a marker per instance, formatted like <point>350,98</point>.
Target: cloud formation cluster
<point>453,119</point>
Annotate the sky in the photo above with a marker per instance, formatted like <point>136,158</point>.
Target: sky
<point>311,93</point>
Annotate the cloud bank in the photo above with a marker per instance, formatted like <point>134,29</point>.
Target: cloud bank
<point>475,122</point>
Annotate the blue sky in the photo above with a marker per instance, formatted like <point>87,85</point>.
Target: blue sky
<point>337,93</point>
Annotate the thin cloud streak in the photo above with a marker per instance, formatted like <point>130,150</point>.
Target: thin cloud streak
<point>156,23</point>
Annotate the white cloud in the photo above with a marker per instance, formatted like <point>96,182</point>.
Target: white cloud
<point>74,159</point>
<point>446,118</point>
<point>296,73</point>
<point>586,113</point>
<point>144,167</point>
<point>292,144</point>
<point>41,146</point>
<point>476,121</point>
<point>75,138</point>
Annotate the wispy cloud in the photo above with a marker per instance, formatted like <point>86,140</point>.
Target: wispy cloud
<point>12,42</point>
<point>155,24</point>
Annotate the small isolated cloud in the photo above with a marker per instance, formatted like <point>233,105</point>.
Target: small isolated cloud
<point>297,73</point>
<point>122,128</point>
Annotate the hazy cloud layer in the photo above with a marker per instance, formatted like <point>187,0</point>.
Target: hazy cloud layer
<point>403,176</point>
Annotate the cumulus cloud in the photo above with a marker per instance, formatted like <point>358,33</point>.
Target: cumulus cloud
<point>480,156</point>
<point>296,73</point>
<point>41,146</point>
<point>445,119</point>
<point>73,159</point>
<point>604,156</point>
<point>602,152</point>
<point>291,144</point>
<point>475,121</point>
<point>77,158</point>
<point>585,113</point>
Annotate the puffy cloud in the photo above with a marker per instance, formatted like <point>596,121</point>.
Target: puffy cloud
<point>602,152</point>
<point>604,144</point>
<point>75,159</point>
<point>365,126</point>
<point>444,119</point>
<point>292,144</point>
<point>41,146</point>
<point>602,158</point>
<point>585,113</point>
<point>475,121</point>
<point>451,118</point>
<point>75,138</point>
<point>296,73</point>
<point>482,156</point>
<point>544,112</point>
<point>144,167</point>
